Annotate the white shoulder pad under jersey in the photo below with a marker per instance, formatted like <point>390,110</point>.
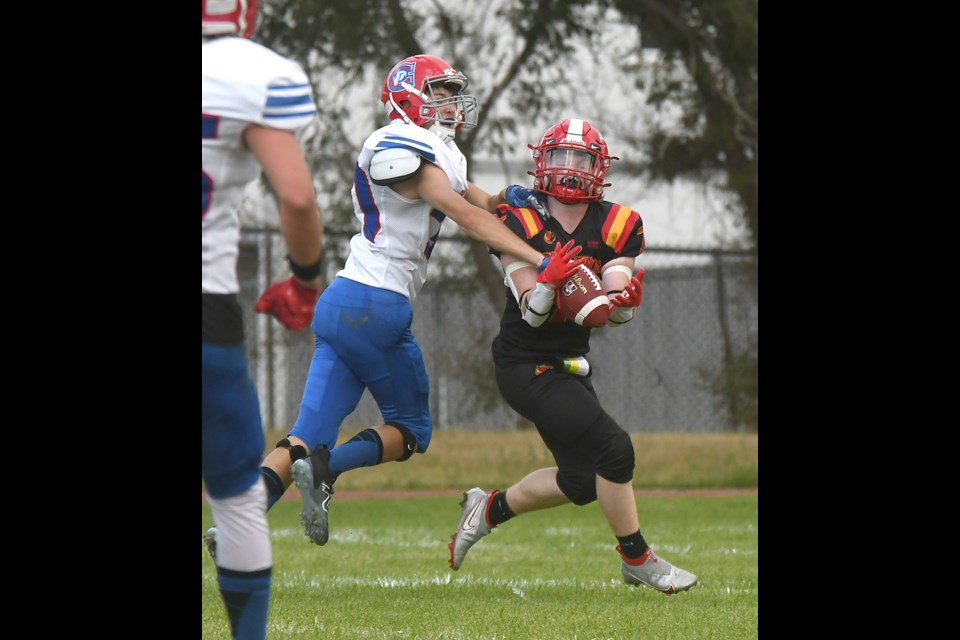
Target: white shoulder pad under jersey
<point>242,83</point>
<point>397,234</point>
<point>393,165</point>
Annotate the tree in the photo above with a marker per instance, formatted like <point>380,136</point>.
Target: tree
<point>528,61</point>
<point>716,43</point>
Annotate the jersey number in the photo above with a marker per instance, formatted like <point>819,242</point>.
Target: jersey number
<point>208,130</point>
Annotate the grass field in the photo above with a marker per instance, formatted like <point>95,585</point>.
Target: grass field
<point>546,575</point>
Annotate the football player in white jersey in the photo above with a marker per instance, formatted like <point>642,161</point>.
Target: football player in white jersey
<point>253,103</point>
<point>410,176</point>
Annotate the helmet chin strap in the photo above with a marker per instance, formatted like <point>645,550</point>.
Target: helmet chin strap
<point>444,133</point>
<point>399,111</point>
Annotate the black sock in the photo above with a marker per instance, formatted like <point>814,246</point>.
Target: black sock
<point>633,546</point>
<point>499,509</point>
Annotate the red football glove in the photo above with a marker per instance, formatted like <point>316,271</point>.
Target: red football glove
<point>290,302</point>
<point>561,265</point>
<point>631,294</point>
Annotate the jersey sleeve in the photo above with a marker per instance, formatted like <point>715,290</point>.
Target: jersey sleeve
<point>289,104</point>
<point>248,82</point>
<point>523,222</point>
<point>289,99</point>
<point>623,231</point>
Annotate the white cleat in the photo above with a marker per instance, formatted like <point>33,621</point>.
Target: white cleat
<point>473,525</point>
<point>656,573</point>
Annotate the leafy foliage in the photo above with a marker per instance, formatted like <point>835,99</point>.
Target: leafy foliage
<point>529,62</point>
<point>708,66</point>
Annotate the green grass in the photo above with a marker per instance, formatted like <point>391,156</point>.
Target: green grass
<point>552,574</point>
<point>547,575</point>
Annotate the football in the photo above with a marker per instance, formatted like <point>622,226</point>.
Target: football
<point>581,299</point>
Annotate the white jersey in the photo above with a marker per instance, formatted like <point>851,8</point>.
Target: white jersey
<point>243,83</point>
<point>397,234</point>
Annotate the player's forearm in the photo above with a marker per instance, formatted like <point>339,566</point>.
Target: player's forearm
<point>494,234</point>
<point>302,230</point>
<point>480,198</point>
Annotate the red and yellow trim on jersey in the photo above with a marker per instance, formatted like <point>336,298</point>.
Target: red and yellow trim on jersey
<point>618,219</point>
<point>532,224</point>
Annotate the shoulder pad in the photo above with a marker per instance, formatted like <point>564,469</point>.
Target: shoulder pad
<point>393,165</point>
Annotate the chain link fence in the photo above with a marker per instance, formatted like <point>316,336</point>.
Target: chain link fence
<point>688,362</point>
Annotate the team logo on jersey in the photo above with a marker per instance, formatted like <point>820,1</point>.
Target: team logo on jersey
<point>542,368</point>
<point>593,244</point>
<point>402,73</point>
<point>549,238</point>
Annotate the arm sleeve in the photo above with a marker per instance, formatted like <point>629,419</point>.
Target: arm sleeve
<point>540,304</point>
<point>621,315</point>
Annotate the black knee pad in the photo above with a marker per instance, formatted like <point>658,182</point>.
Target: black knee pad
<point>409,442</point>
<point>608,453</point>
<point>580,489</point>
<point>296,452</point>
<point>614,458</point>
<point>370,435</point>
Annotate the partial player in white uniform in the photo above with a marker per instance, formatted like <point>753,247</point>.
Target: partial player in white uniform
<point>253,101</point>
<point>397,235</point>
<point>409,177</point>
<point>243,83</point>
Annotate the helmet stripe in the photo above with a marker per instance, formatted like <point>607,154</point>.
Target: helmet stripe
<point>576,130</point>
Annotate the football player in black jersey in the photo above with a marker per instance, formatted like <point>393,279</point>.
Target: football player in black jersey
<point>540,362</point>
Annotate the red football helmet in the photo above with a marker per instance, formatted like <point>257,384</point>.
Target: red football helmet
<point>571,162</point>
<point>232,17</point>
<point>408,95</point>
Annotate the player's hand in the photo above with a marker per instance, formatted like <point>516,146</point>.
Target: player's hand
<point>560,265</point>
<point>289,301</point>
<point>632,294</point>
<point>517,196</point>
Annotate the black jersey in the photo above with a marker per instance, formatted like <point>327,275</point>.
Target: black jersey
<point>607,231</point>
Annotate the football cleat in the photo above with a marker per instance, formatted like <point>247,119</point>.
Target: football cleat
<point>655,573</point>
<point>473,525</point>
<point>210,542</point>
<point>316,486</point>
